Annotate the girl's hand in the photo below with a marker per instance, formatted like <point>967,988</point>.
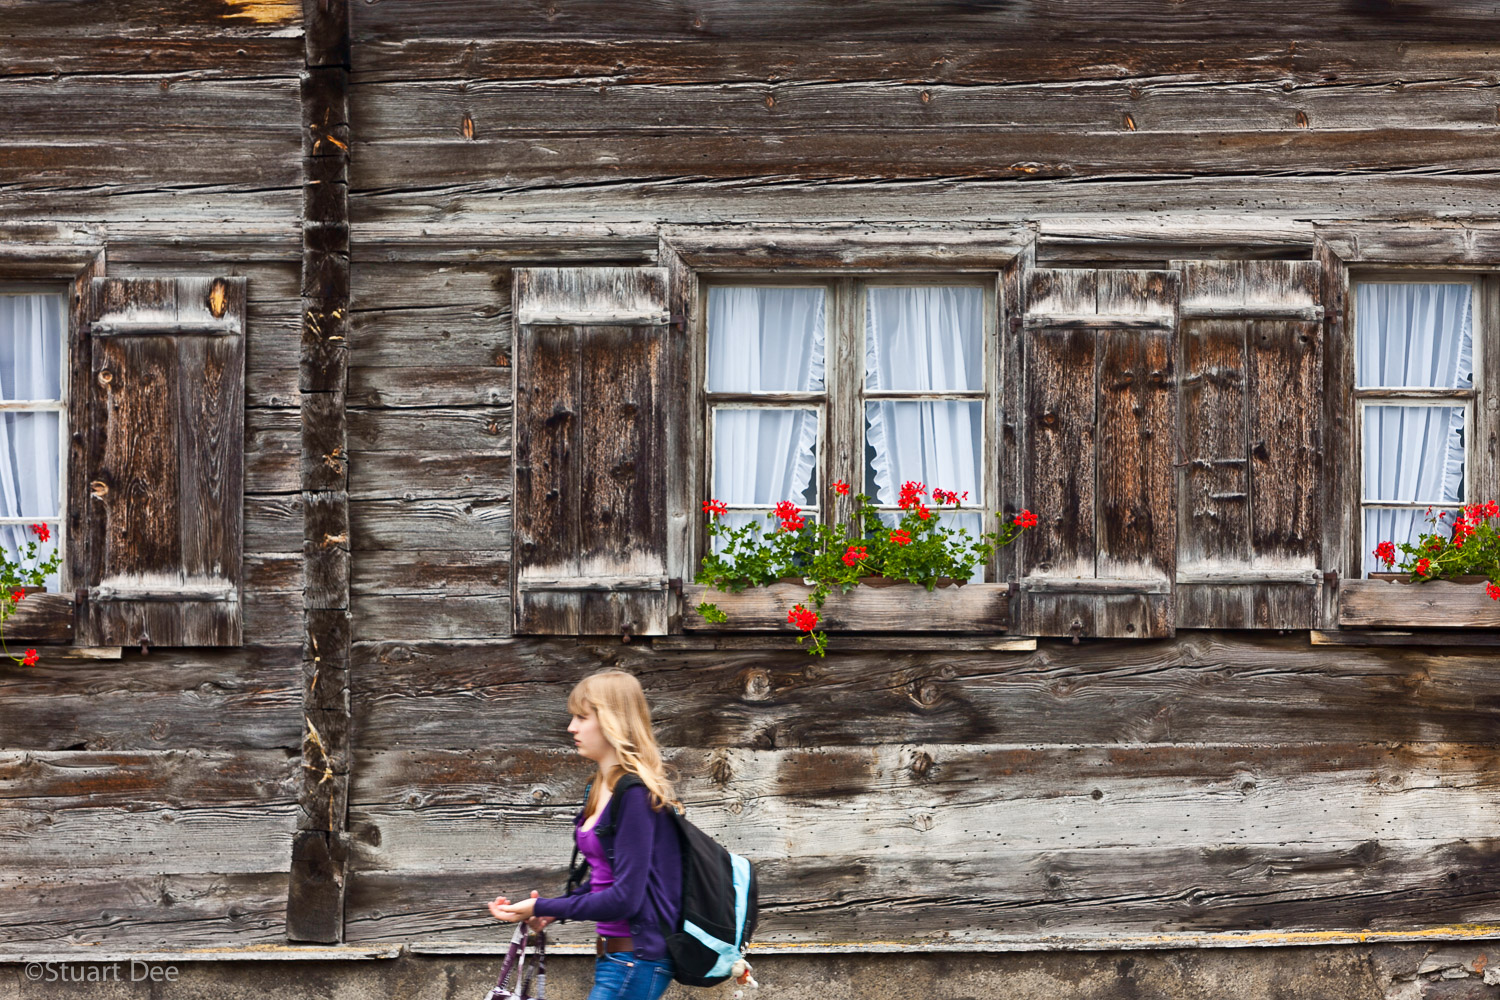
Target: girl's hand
<point>504,909</point>
<point>539,923</point>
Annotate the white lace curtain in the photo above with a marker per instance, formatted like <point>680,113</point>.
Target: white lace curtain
<point>763,340</point>
<point>1412,335</point>
<point>31,339</point>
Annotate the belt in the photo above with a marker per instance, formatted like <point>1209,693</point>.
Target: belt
<point>604,945</point>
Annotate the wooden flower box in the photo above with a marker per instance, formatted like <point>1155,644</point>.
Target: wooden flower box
<point>892,606</point>
<point>1391,599</point>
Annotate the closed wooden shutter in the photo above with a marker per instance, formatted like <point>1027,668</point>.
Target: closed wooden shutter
<point>1099,414</point>
<point>593,353</point>
<point>165,465</point>
<point>1251,363</point>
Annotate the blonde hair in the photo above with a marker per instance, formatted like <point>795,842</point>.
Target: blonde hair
<point>618,702</point>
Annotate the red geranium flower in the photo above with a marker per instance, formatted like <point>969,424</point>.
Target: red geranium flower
<point>1491,509</point>
<point>793,523</point>
<point>787,509</point>
<point>1422,566</point>
<point>1386,553</point>
<point>30,658</point>
<point>911,492</point>
<point>899,537</point>
<point>1026,519</point>
<point>923,512</point>
<point>841,488</point>
<point>43,533</point>
<point>801,618</point>
<point>854,554</point>
<point>18,595</point>
<point>715,508</point>
<point>1493,591</point>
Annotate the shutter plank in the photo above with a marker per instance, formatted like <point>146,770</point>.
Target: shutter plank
<point>1250,487</point>
<point>592,366</point>
<point>1100,416</point>
<point>165,462</point>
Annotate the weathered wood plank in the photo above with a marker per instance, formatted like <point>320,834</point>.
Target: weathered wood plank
<point>1434,604</point>
<point>273,448</point>
<point>490,206</point>
<point>272,618</point>
<point>244,698</point>
<point>428,387</point>
<point>151,779</point>
<point>890,20</point>
<point>468,523</point>
<point>140,911</point>
<point>273,523</point>
<point>1202,687</point>
<point>972,607</point>
<point>433,616</point>
<point>384,475</point>
<point>1316,58</point>
<point>1349,885</point>
<point>946,248</point>
<point>411,110</point>
<point>444,571</point>
<point>987,153</point>
<point>447,430</point>
<point>458,334</point>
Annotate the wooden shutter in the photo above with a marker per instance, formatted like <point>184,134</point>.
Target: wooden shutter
<point>1099,412</point>
<point>593,353</point>
<point>1251,363</point>
<point>165,466</point>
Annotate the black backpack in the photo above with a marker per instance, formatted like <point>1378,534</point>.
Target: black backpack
<point>720,902</point>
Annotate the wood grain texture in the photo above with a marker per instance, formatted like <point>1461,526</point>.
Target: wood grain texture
<point>882,21</point>
<point>243,698</point>
<point>1434,604</point>
<point>46,910</point>
<point>591,377</point>
<point>1252,425</point>
<point>1208,687</point>
<point>165,518</point>
<point>1099,388</point>
<point>973,607</point>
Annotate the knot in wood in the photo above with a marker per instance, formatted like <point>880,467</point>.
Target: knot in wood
<point>719,770</point>
<point>924,692</point>
<point>757,685</point>
<point>99,488</point>
<point>105,378</point>
<point>921,765</point>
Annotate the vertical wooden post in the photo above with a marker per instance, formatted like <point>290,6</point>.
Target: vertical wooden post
<point>315,900</point>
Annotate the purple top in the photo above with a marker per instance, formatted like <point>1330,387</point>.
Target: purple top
<point>646,867</point>
<point>601,877</point>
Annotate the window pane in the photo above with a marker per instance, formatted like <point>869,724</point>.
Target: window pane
<point>15,537</point>
<point>31,336</point>
<point>924,338</point>
<point>936,442</point>
<point>1414,454</point>
<point>765,339</point>
<point>765,456</point>
<point>1414,335</point>
<point>29,470</point>
<point>1399,526</point>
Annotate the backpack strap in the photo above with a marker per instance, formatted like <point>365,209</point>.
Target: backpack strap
<point>606,825</point>
<point>577,870</point>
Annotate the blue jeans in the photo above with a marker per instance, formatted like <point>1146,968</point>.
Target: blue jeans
<point>622,976</point>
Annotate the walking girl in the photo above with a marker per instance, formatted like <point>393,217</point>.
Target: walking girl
<point>632,848</point>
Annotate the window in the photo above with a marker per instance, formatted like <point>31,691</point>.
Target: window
<point>33,421</point>
<point>1415,382</point>
<point>872,381</point>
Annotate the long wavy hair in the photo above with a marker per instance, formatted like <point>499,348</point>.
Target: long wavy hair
<point>616,698</point>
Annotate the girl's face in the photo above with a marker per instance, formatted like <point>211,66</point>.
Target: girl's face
<point>588,739</point>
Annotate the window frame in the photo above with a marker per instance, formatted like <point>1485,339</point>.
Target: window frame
<point>43,255</point>
<point>1419,396</point>
<point>58,406</point>
<point>694,254</point>
<point>841,405</point>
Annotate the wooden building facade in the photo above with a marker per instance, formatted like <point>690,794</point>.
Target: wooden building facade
<point>386,421</point>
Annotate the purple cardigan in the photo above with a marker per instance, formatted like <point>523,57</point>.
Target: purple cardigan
<point>647,859</point>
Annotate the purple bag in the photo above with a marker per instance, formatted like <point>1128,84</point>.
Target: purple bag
<point>516,959</point>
